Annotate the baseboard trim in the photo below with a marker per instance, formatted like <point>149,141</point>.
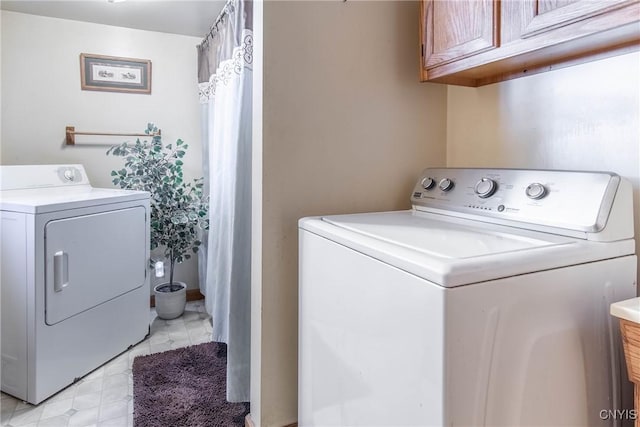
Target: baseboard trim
<point>192,295</point>
<point>248,422</point>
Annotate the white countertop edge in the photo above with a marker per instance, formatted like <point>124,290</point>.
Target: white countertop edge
<point>628,309</point>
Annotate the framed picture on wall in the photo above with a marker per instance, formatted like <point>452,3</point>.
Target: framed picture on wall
<point>115,74</point>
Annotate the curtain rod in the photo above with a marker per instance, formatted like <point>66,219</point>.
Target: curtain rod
<point>228,6</point>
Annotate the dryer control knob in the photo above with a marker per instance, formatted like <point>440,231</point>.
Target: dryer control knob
<point>69,175</point>
<point>485,188</point>
<point>536,191</point>
<point>446,184</point>
<point>428,183</point>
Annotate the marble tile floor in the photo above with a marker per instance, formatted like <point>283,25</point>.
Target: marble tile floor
<point>104,398</point>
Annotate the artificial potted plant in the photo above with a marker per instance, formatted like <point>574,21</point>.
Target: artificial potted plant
<point>178,208</point>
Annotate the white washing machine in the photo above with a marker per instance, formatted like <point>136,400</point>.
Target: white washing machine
<point>75,288</point>
<point>485,305</point>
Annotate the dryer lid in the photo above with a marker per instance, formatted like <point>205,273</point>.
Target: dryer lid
<point>38,201</point>
<point>36,189</point>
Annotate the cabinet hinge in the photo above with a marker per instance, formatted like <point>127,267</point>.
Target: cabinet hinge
<point>422,50</point>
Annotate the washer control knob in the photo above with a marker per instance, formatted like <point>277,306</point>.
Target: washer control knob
<point>428,183</point>
<point>485,188</point>
<point>536,191</point>
<point>69,175</point>
<point>446,184</point>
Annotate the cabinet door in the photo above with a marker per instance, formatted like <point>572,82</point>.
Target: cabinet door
<point>527,18</point>
<point>478,42</point>
<point>458,29</point>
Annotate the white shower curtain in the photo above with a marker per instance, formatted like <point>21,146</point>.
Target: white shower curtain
<point>225,78</point>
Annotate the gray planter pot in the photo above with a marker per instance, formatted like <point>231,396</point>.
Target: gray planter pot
<point>170,304</point>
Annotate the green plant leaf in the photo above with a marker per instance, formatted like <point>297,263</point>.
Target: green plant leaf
<point>178,208</point>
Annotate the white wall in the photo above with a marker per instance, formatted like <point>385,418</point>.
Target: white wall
<point>584,117</point>
<point>346,127</point>
<point>41,95</point>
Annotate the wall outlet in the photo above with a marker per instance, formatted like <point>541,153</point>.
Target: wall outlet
<point>159,268</point>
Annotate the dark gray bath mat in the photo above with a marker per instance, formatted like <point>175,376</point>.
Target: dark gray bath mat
<point>185,387</point>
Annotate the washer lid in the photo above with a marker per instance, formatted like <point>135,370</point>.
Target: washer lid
<point>42,200</point>
<point>439,238</point>
<point>453,251</point>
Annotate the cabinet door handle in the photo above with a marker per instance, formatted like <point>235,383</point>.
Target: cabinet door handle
<point>60,271</point>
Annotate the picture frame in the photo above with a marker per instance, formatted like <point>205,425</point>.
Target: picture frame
<point>115,74</point>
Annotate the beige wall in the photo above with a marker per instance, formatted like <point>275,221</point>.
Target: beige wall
<point>583,117</point>
<point>346,128</point>
<point>41,95</point>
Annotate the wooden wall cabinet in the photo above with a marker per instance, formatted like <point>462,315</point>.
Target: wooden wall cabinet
<point>478,42</point>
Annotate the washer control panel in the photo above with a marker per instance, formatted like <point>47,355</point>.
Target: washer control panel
<point>565,199</point>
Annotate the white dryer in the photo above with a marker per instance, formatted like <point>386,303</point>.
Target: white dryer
<point>75,288</point>
<point>487,304</point>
